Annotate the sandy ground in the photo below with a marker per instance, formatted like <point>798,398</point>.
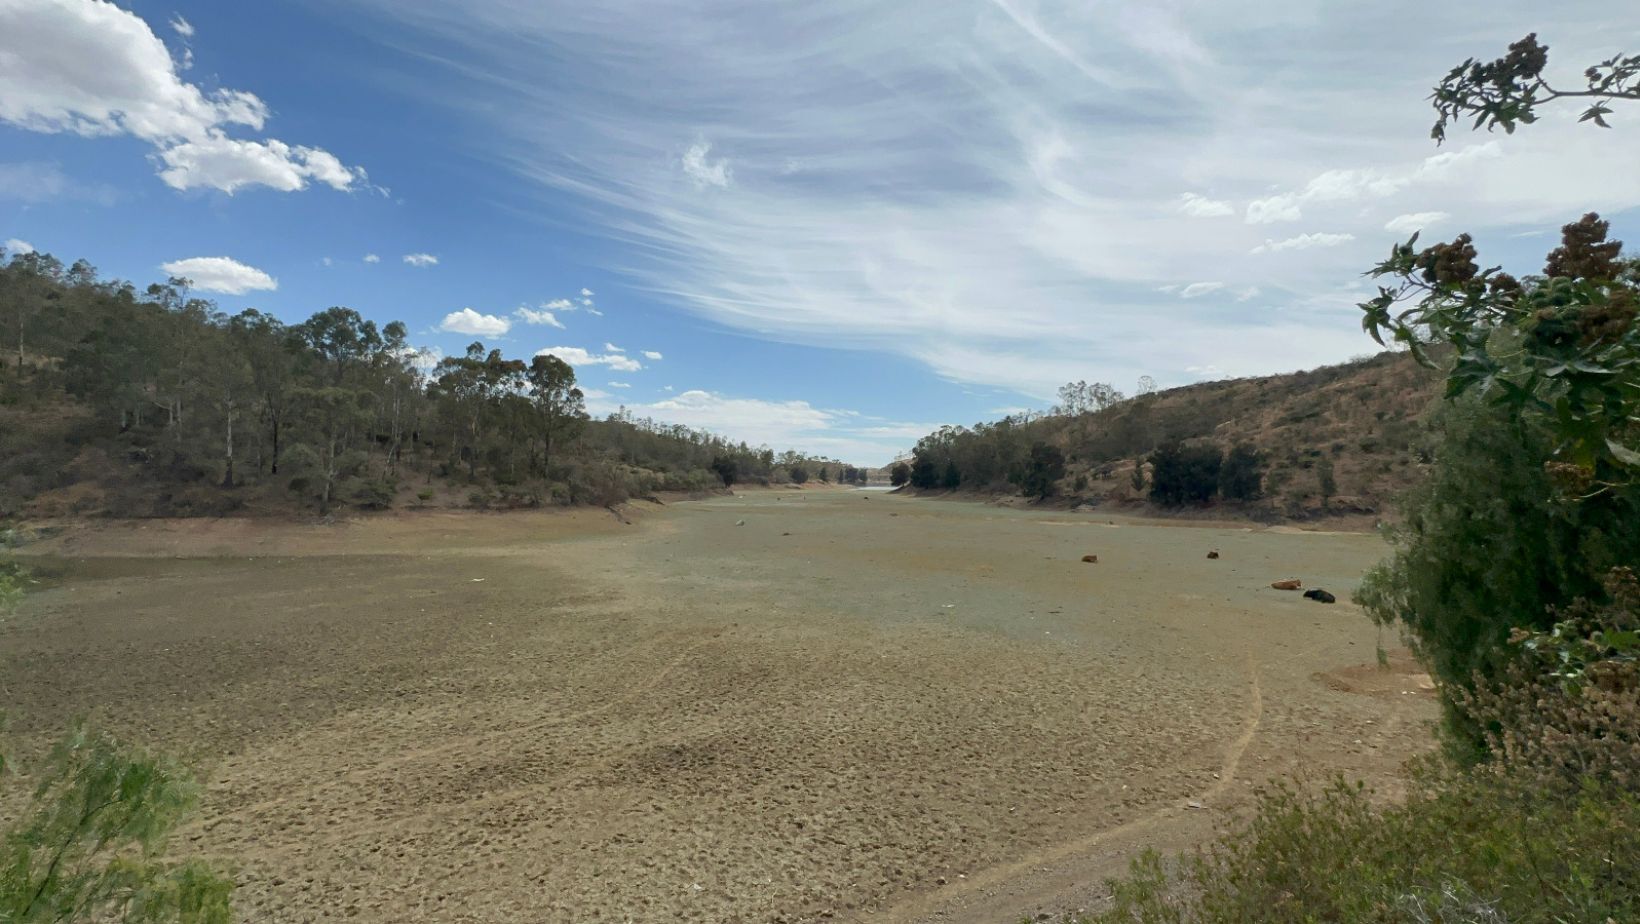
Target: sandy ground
<point>853,707</point>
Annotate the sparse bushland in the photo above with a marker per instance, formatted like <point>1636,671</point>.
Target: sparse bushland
<point>1363,416</point>
<point>123,403</point>
<point>1513,576</point>
<point>90,845</point>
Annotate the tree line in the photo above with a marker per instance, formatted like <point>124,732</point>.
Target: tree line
<point>184,408</point>
<point>1032,453</point>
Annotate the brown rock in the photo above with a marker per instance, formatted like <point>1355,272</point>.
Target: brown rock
<point>1091,559</point>
<point>1213,554</point>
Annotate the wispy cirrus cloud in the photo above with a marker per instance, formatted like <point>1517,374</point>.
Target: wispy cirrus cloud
<point>36,182</point>
<point>1198,289</point>
<point>1001,199</point>
<point>1415,221</point>
<point>1304,242</point>
<point>1203,207</point>
<point>542,315</point>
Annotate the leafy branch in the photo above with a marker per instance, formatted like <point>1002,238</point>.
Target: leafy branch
<point>91,847</point>
<point>1564,347</point>
<point>1507,91</point>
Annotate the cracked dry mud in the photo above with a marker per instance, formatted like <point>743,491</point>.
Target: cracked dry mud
<point>904,710</point>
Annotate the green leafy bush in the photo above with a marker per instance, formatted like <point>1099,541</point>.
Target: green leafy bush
<point>1471,847</point>
<point>1489,545</point>
<point>91,845</point>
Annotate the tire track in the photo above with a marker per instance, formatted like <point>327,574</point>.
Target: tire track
<point>929,905</point>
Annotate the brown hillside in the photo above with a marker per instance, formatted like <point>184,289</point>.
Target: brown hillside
<point>1362,416</point>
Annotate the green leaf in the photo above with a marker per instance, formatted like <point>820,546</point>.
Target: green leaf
<point>1623,453</point>
<point>1588,367</point>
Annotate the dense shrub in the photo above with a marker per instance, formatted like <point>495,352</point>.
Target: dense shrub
<point>1242,474</point>
<point>1473,847</point>
<point>1566,710</point>
<point>899,475</point>
<point>1182,474</point>
<point>1489,545</point>
<point>1043,471</point>
<point>924,474</point>
<point>725,469</point>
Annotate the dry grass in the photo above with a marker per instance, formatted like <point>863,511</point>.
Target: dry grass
<point>1362,415</point>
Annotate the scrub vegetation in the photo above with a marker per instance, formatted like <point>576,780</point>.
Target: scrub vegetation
<point>1512,576</point>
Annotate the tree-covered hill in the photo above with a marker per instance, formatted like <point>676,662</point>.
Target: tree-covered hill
<point>1342,438</point>
<point>121,402</point>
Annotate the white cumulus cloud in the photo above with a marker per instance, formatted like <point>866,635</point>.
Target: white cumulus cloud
<point>580,358</point>
<point>372,258</point>
<point>421,259</point>
<point>473,323</point>
<point>652,354</point>
<point>612,348</point>
<point>221,274</point>
<point>15,246</point>
<point>90,68</point>
<point>620,384</point>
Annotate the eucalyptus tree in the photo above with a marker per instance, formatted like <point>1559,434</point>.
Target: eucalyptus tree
<point>560,407</point>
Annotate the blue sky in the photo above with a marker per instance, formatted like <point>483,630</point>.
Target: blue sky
<point>833,225</point>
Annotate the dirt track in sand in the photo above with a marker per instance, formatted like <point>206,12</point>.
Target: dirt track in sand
<point>853,707</point>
